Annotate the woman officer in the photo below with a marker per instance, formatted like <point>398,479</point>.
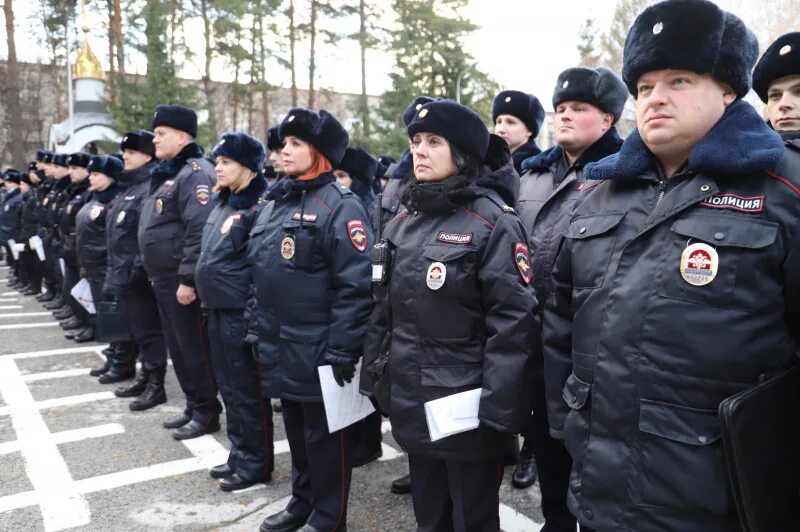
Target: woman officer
<point>310,248</point>
<point>459,315</point>
<point>223,279</point>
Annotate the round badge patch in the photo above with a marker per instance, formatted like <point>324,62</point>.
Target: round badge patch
<point>226,226</point>
<point>120,217</point>
<point>699,264</point>
<point>287,247</point>
<point>159,206</point>
<point>95,212</point>
<point>437,273</point>
<point>69,209</point>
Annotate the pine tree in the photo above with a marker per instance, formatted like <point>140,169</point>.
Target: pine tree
<point>138,98</point>
<point>428,46</point>
<point>613,41</point>
<point>587,45</point>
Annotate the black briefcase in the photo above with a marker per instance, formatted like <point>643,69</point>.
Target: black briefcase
<point>110,326</point>
<point>761,439</point>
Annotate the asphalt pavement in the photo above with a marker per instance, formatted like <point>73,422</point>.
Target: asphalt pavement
<point>74,457</point>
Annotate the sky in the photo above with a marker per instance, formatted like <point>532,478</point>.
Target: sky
<point>521,44</point>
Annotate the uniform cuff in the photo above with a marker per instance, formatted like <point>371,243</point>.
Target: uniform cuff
<point>187,281</point>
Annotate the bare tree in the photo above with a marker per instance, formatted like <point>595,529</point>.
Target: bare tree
<point>11,98</point>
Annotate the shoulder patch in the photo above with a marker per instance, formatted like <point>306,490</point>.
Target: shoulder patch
<point>203,194</point>
<point>523,261</point>
<point>357,234</point>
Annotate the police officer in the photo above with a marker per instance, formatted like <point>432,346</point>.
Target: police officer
<point>170,230</point>
<point>517,118</point>
<point>92,251</point>
<point>588,102</point>
<point>30,218</point>
<point>274,148</point>
<point>459,314</point>
<point>27,266</point>
<point>56,168</point>
<point>776,80</point>
<point>10,227</point>
<point>224,280</point>
<point>78,195</point>
<point>312,267</point>
<point>126,278</point>
<point>671,272</point>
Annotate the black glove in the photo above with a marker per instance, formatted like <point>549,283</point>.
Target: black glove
<point>343,373</point>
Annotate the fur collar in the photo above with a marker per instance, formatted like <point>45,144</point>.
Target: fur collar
<point>141,174</point>
<point>525,152</point>
<point>104,196</point>
<point>740,143</point>
<point>246,198</point>
<point>170,167</point>
<point>76,189</point>
<point>606,145</point>
<point>290,188</point>
<point>61,184</point>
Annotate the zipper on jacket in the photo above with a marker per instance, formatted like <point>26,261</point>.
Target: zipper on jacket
<point>662,189</point>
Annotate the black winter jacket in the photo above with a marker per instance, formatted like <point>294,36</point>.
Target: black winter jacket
<point>224,278</point>
<point>90,233</point>
<point>311,255</point>
<point>10,211</point>
<point>476,330</point>
<point>174,213</point>
<point>77,196</point>
<point>669,296</point>
<point>122,225</point>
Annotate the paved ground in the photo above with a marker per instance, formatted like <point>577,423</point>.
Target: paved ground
<point>73,457</point>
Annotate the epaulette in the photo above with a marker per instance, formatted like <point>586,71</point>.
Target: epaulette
<point>341,189</point>
<point>195,165</point>
<point>497,200</point>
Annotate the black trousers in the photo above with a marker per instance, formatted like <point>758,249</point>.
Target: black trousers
<point>188,347</point>
<point>248,415</point>
<point>456,495</point>
<point>51,271</point>
<point>13,264</point>
<point>321,466</point>
<point>71,278</point>
<point>29,265</point>
<point>553,465</point>
<point>140,310</point>
<point>367,436</point>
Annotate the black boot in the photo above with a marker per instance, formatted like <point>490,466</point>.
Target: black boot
<point>525,473</point>
<point>136,388</point>
<point>96,372</point>
<point>401,485</point>
<point>154,393</point>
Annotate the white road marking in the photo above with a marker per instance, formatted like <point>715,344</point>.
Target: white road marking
<point>9,294</point>
<point>9,307</point>
<point>9,299</point>
<point>44,376</point>
<point>59,401</point>
<point>29,325</point>
<point>513,521</point>
<point>25,314</point>
<point>69,436</point>
<point>46,469</point>
<point>50,352</point>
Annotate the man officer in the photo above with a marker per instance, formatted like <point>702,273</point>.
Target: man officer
<point>170,230</point>
<point>776,80</point>
<point>677,284</point>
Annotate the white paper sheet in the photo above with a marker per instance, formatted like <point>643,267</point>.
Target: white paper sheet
<point>82,292</point>
<point>36,244</point>
<point>63,264</point>
<point>344,405</point>
<point>453,414</point>
<point>12,245</point>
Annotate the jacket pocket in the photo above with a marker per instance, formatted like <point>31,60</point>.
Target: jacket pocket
<point>460,262</point>
<point>302,347</point>
<point>451,376</point>
<point>593,242</point>
<point>680,462</point>
<point>305,256</point>
<point>576,394</point>
<point>745,252</point>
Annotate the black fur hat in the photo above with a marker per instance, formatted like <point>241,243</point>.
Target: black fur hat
<point>41,155</point>
<point>141,141</point>
<point>359,164</point>
<point>26,178</point>
<point>60,159</point>
<point>320,129</point>
<point>526,107</point>
<point>274,141</point>
<point>32,166</point>
<point>401,168</point>
<point>106,164</point>
<point>597,86</point>
<point>47,157</point>
<point>415,106</point>
<point>79,159</point>
<point>242,148</point>
<point>177,117</point>
<point>12,175</point>
<point>693,35</point>
<point>781,59</point>
<point>459,124</point>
